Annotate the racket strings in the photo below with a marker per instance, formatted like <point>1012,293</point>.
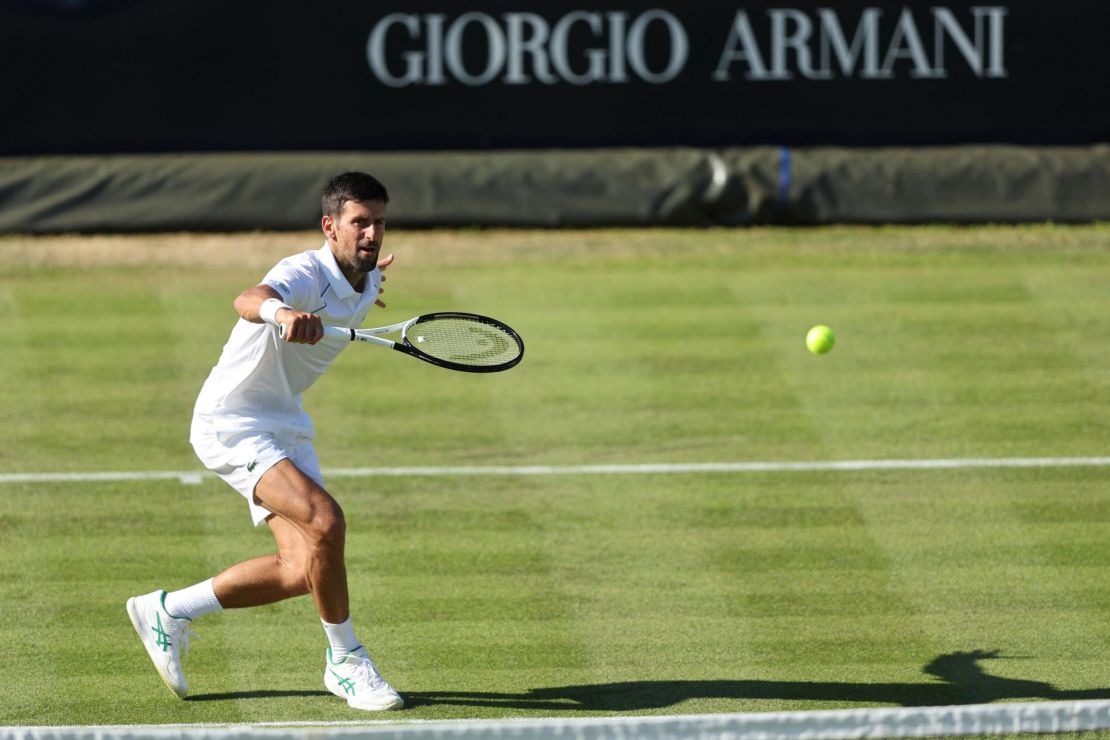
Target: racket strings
<point>464,341</point>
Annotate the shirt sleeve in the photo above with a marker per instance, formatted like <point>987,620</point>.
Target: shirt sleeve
<point>296,284</point>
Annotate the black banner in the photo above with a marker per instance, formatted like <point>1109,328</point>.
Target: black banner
<point>92,76</point>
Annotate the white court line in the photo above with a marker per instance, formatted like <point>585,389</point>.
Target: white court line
<point>193,477</point>
<point>837,724</point>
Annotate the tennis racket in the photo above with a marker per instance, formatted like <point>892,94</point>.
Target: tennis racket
<point>457,341</point>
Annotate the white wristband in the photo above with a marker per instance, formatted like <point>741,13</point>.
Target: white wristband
<point>269,308</point>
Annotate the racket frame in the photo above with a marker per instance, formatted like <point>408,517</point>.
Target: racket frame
<point>373,336</point>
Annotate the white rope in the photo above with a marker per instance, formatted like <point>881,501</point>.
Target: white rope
<point>842,724</point>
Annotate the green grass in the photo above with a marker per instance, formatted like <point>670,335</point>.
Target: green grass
<point>587,595</point>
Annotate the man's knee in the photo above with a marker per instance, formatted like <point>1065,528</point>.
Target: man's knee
<point>326,526</point>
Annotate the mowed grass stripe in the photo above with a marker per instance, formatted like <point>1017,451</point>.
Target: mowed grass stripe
<point>14,370</point>
<point>89,367</point>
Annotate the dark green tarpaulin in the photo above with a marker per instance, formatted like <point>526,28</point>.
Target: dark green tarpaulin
<point>563,188</point>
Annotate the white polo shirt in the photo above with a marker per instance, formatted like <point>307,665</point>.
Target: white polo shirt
<point>257,384</point>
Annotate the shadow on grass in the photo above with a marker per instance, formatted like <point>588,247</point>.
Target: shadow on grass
<point>236,695</point>
<point>961,681</point>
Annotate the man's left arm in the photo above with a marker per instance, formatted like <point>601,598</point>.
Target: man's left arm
<point>264,304</point>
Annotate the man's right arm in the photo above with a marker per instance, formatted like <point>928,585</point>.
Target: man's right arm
<point>300,327</point>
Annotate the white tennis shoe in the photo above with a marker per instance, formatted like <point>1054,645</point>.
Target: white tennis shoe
<point>163,637</point>
<point>356,679</point>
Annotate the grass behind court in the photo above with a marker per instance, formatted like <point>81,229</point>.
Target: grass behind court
<point>573,595</point>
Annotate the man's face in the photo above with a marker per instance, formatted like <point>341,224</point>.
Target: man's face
<point>356,234</point>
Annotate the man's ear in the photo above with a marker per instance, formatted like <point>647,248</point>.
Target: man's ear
<point>327,223</point>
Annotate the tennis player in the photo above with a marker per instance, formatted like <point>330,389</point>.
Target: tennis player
<point>250,428</point>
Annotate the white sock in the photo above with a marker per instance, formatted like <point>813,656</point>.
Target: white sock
<point>192,602</point>
<point>342,639</point>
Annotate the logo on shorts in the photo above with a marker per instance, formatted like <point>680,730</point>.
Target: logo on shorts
<point>251,467</point>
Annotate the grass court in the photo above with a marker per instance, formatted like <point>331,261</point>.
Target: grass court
<point>585,594</point>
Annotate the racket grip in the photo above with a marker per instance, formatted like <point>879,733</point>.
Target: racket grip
<point>329,331</point>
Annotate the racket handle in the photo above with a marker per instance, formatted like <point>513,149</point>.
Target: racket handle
<point>329,331</point>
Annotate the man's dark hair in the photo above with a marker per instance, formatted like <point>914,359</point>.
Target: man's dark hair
<point>356,186</point>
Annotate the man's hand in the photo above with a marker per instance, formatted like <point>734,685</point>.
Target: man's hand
<point>383,263</point>
<point>300,327</point>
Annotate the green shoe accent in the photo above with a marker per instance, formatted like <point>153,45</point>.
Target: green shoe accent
<point>347,684</point>
<point>167,611</point>
<point>163,640</point>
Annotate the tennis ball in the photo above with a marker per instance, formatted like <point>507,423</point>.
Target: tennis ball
<point>820,339</point>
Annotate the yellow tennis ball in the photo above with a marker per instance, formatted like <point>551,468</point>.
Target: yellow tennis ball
<point>820,339</point>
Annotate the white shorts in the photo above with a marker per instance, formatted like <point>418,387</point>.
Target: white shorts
<point>242,458</point>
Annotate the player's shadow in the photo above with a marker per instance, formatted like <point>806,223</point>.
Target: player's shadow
<point>960,680</point>
<point>273,694</point>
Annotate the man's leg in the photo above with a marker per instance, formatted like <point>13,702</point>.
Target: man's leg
<point>307,524</point>
<point>269,578</point>
<point>307,521</point>
<point>309,529</point>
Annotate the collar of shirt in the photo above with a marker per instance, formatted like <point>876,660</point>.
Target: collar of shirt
<point>339,284</point>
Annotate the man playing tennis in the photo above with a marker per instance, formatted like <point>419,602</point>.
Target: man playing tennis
<point>250,428</point>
